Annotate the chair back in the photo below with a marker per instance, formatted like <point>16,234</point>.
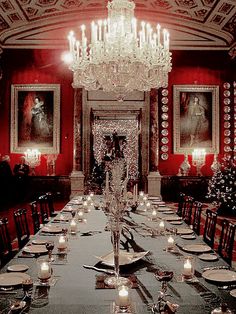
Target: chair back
<point>22,227</point>
<point>196,222</point>
<point>210,227</point>
<point>226,243</point>
<point>187,209</point>
<point>180,204</point>
<point>44,209</point>
<point>5,241</point>
<point>35,216</point>
<point>50,201</point>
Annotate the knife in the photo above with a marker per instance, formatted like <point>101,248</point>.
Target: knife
<point>102,270</point>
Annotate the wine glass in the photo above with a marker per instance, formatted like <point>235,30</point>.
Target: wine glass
<point>27,285</point>
<point>50,246</point>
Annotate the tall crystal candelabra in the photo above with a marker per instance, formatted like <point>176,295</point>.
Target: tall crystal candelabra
<point>116,205</point>
<point>198,159</point>
<point>33,158</point>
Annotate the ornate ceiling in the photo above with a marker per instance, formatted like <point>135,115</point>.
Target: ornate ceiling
<point>193,24</point>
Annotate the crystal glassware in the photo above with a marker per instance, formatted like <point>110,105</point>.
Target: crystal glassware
<point>44,270</point>
<point>116,228</point>
<point>50,246</point>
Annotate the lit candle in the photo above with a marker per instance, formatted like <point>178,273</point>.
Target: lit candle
<point>44,271</point>
<point>154,213</point>
<point>141,194</point>
<point>145,198</point>
<point>162,226</point>
<point>73,226</point>
<point>187,268</point>
<point>171,242</point>
<point>148,205</point>
<point>123,297</point>
<point>80,214</point>
<point>61,243</point>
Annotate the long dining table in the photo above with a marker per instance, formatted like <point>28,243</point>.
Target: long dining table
<point>76,289</point>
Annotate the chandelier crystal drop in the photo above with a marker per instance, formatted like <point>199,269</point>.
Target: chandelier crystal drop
<point>119,58</point>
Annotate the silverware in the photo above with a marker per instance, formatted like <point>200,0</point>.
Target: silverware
<point>215,267</point>
<point>102,270</point>
<point>7,292</point>
<point>227,287</point>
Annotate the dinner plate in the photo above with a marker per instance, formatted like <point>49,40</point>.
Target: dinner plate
<point>176,222</point>
<point>35,249</point>
<point>165,209</point>
<point>62,218</point>
<point>184,231</point>
<point>208,257</point>
<point>196,248</point>
<point>219,275</point>
<point>233,293</point>
<point>52,229</point>
<point>17,267</point>
<point>188,236</point>
<point>168,212</point>
<point>173,218</point>
<point>126,258</point>
<point>154,198</point>
<point>13,279</point>
<point>39,241</point>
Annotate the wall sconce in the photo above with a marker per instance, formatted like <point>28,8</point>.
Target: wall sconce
<point>198,159</point>
<point>33,158</point>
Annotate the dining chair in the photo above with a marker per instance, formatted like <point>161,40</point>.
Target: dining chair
<point>50,201</point>
<point>6,250</point>
<point>209,228</point>
<point>44,209</point>
<point>226,243</point>
<point>35,214</point>
<point>22,227</point>
<point>196,221</point>
<point>187,209</point>
<point>180,204</point>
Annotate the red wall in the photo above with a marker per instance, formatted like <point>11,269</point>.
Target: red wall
<point>45,66</point>
<point>37,67</point>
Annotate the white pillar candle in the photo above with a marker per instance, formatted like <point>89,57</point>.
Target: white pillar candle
<point>44,271</point>
<point>123,297</point>
<point>73,226</point>
<point>162,226</point>
<point>148,205</point>
<point>61,243</point>
<point>80,214</point>
<point>171,242</point>
<point>187,268</point>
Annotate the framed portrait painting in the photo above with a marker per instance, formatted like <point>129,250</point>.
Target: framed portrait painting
<point>196,118</point>
<point>35,118</point>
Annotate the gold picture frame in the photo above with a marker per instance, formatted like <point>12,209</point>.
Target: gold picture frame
<point>35,118</point>
<point>196,118</point>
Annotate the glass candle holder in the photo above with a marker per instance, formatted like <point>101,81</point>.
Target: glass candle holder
<point>62,243</point>
<point>80,214</point>
<point>162,226</point>
<point>170,243</point>
<point>123,298</point>
<point>154,214</point>
<point>73,226</point>
<point>188,267</point>
<point>44,270</point>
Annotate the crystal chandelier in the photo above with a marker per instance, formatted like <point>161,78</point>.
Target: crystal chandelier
<point>119,58</point>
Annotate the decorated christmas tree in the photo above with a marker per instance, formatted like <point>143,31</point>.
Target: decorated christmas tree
<point>222,188</point>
